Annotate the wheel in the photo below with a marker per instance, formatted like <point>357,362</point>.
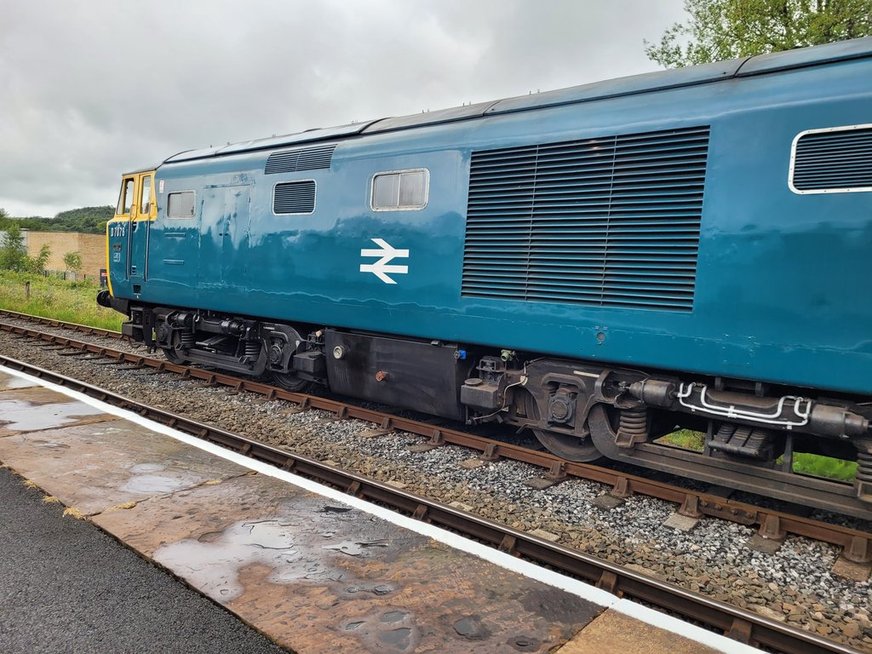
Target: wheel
<point>172,356</point>
<point>173,353</point>
<point>571,448</point>
<point>566,447</point>
<point>290,382</point>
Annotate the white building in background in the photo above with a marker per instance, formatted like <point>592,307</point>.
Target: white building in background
<point>24,233</point>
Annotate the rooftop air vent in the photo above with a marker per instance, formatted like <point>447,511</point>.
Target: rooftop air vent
<point>292,161</point>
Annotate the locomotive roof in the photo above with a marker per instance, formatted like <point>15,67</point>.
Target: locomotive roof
<point>648,82</point>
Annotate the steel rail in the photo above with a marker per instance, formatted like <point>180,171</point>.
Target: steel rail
<point>856,544</point>
<point>62,324</point>
<point>738,624</point>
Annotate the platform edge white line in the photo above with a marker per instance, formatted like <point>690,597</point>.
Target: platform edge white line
<point>680,627</point>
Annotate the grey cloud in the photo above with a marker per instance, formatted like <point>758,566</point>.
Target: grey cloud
<point>93,89</point>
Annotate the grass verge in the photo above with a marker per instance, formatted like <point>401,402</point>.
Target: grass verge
<point>824,466</point>
<point>56,298</point>
<point>804,463</point>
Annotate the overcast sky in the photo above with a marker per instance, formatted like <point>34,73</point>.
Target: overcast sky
<point>91,89</point>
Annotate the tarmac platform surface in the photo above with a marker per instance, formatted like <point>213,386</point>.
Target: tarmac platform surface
<point>312,570</point>
<point>66,586</point>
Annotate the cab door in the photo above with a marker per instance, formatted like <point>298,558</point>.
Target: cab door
<point>119,237</point>
<point>142,213</point>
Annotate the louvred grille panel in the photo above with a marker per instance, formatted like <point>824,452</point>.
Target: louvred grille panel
<point>292,161</point>
<point>294,197</point>
<point>835,160</point>
<point>611,221</point>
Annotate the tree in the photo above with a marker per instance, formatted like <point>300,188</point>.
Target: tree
<point>732,29</point>
<point>13,252</point>
<point>90,220</point>
<point>37,264</point>
<point>73,261</point>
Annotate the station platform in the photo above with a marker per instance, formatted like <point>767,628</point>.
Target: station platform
<point>311,568</point>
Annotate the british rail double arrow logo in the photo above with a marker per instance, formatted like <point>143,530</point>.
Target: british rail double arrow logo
<point>381,268</point>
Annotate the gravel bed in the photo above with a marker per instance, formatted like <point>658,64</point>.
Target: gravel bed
<point>794,585</point>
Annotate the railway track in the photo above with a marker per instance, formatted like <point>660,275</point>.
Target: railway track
<point>772,524</point>
<point>739,624</point>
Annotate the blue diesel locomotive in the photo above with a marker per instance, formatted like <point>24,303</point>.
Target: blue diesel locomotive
<point>599,264</point>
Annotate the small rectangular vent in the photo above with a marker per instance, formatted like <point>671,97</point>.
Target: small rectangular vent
<point>611,221</point>
<point>292,161</point>
<point>294,197</point>
<point>833,160</point>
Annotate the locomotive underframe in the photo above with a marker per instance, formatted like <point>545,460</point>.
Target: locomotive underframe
<point>578,410</point>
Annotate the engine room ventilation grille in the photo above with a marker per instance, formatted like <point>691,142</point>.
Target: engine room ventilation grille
<point>294,197</point>
<point>611,221</point>
<point>833,160</point>
<point>292,161</point>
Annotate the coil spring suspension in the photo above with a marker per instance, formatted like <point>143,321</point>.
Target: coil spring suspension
<point>632,427</point>
<point>864,476</point>
<point>252,349</point>
<point>186,340</point>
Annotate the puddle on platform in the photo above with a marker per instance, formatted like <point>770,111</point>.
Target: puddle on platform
<point>393,616</point>
<point>355,548</point>
<point>8,382</point>
<point>213,562</point>
<point>147,478</point>
<point>159,483</point>
<point>398,639</point>
<point>393,631</point>
<point>292,547</point>
<point>147,468</point>
<point>19,415</point>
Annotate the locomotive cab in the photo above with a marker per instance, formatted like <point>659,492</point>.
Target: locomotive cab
<point>127,232</point>
<point>127,240</point>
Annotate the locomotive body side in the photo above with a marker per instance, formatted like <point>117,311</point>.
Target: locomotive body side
<point>778,281</point>
<point>587,268</point>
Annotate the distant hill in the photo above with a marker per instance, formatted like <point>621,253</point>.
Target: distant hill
<point>89,220</point>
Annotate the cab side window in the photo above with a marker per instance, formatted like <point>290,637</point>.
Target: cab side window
<point>125,200</point>
<point>400,190</point>
<point>181,205</point>
<point>145,200</point>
